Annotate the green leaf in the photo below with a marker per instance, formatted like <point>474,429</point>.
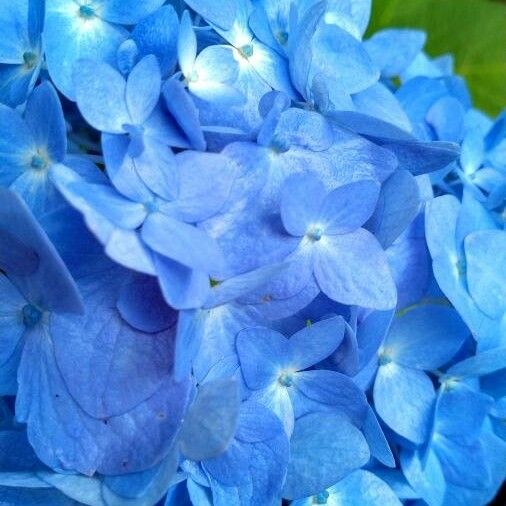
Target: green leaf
<point>472,30</point>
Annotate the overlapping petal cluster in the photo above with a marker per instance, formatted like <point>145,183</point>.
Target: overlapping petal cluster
<point>247,257</point>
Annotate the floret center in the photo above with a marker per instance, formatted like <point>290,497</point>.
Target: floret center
<point>282,37</point>
<point>86,11</point>
<point>39,162</point>
<point>246,51</point>
<point>30,59</point>
<point>321,498</point>
<point>314,233</point>
<point>286,379</point>
<point>31,315</point>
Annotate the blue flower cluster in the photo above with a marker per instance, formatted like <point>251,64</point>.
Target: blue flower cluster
<point>246,257</point>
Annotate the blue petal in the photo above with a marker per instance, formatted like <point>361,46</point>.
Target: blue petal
<point>16,142</point>
<point>352,269</point>
<point>182,287</point>
<point>393,50</point>
<point>426,337</point>
<point>301,199</point>
<point>317,461</point>
<point>341,57</point>
<point>211,421</point>
<point>157,34</point>
<point>68,37</point>
<point>99,385</point>
<point>42,277</point>
<point>316,342</point>
<point>460,412</point>
<point>183,109</point>
<point>128,12</point>
<point>378,101</point>
<point>105,201</point>
<point>423,157</point>
<point>263,354</point>
<point>481,364</point>
<point>205,182</point>
<point>376,440</point>
<point>186,45</point>
<point>100,95</point>
<point>141,304</point>
<point>112,446</point>
<point>424,474</point>
<point>348,207</point>
<point>455,459</point>
<point>334,390</point>
<point>223,17</point>
<point>143,89</point>
<point>413,390</point>
<point>486,270</point>
<point>11,320</point>
<point>44,117</point>
<point>363,488</point>
<point>217,329</point>
<point>182,243</point>
<point>398,205</point>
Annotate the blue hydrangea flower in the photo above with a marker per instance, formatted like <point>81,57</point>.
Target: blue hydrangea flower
<point>31,145</point>
<point>21,54</point>
<point>87,29</point>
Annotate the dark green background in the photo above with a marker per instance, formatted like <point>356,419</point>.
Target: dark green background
<point>473,30</point>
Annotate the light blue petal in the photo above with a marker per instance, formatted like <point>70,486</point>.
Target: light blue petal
<point>69,37</point>
<point>421,158</point>
<point>486,270</point>
<point>182,243</point>
<point>16,145</point>
<point>107,366</point>
<point>44,117</point>
<point>183,109</point>
<point>352,269</point>
<point>100,95</point>
<point>127,12</point>
<point>205,181</point>
<point>41,277</point>
<point>316,342</point>
<point>378,101</point>
<point>143,89</point>
<point>301,200</point>
<point>141,304</point>
<point>223,17</point>
<point>398,205</point>
<point>413,390</point>
<point>182,287</point>
<point>363,488</point>
<point>317,461</point>
<point>348,207</point>
<point>157,34</point>
<point>393,50</point>
<point>426,337</point>
<point>263,354</point>
<point>330,389</point>
<point>376,439</point>
<point>211,421</point>
<point>186,46</point>
<point>481,364</point>
<point>425,475</point>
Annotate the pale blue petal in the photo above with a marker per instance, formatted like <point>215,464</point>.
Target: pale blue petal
<point>413,390</point>
<point>317,461</point>
<point>68,37</point>
<point>352,269</point>
<point>143,89</point>
<point>100,94</point>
